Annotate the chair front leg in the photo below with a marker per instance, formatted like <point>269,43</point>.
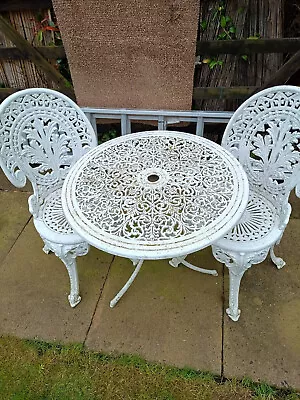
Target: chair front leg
<point>236,272</point>
<point>68,254</point>
<point>237,263</point>
<point>46,249</point>
<point>278,261</point>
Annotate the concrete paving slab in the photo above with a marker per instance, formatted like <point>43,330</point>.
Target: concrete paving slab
<point>295,203</point>
<point>34,288</point>
<point>265,343</point>
<point>14,215</point>
<point>6,185</point>
<point>169,315</point>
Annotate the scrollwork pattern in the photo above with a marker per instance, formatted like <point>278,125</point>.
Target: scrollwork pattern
<point>42,135</point>
<point>193,187</point>
<point>264,136</point>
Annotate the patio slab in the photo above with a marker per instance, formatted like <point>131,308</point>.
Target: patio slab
<point>174,316</point>
<point>34,288</point>
<point>14,215</point>
<point>295,203</point>
<point>265,343</point>
<point>169,315</point>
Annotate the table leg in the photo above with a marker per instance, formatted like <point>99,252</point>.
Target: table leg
<point>127,284</point>
<point>181,260</point>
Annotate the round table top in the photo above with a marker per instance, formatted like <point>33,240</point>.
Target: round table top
<point>155,194</point>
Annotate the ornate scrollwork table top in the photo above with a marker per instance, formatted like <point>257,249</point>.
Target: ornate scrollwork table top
<point>155,194</point>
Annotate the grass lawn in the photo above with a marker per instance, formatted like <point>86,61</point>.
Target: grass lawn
<point>38,370</point>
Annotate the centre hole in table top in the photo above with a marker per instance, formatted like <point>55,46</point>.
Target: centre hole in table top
<point>153,178</point>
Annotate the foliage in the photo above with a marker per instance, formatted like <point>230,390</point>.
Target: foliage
<point>105,136</point>
<point>45,24</point>
<point>212,62</point>
<point>227,31</point>
<point>63,67</point>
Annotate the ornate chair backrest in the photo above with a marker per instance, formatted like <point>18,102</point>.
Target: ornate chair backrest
<point>42,134</point>
<point>264,135</point>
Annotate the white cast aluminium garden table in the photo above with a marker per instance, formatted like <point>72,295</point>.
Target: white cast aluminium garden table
<point>154,195</point>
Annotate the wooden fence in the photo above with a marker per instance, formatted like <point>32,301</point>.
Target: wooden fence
<point>249,46</point>
<point>25,60</point>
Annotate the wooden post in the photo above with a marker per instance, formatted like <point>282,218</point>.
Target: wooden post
<point>31,53</point>
<point>284,73</point>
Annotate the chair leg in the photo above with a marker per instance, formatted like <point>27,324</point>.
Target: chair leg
<point>237,263</point>
<point>68,254</point>
<point>69,260</point>
<point>46,249</point>
<point>278,261</point>
<point>181,260</point>
<point>235,275</point>
<point>127,284</point>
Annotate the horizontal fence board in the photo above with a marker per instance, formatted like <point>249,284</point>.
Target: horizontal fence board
<point>16,5</point>
<point>50,52</point>
<point>236,92</point>
<point>248,46</point>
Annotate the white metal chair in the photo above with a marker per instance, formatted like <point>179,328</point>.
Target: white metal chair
<point>42,134</point>
<point>264,135</point>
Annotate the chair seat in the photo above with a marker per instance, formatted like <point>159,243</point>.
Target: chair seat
<point>257,228</point>
<point>52,223</point>
<point>53,215</point>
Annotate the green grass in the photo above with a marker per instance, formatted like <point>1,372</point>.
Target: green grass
<point>39,370</point>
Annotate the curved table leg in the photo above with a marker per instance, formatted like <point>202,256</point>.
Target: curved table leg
<point>134,261</point>
<point>181,260</point>
<point>127,284</point>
